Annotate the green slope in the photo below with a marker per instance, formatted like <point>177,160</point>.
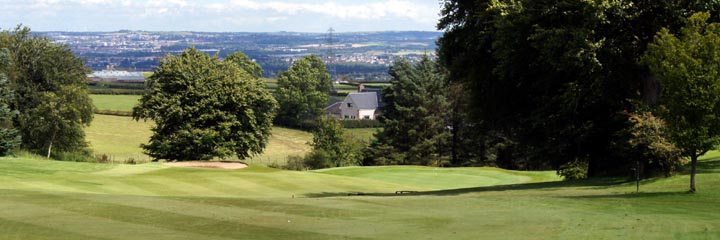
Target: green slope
<point>42,199</point>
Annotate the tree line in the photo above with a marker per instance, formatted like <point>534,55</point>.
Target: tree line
<point>589,88</point>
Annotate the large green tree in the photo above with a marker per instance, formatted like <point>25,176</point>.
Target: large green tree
<point>303,91</point>
<point>553,77</point>
<point>50,93</point>
<point>9,137</point>
<point>688,67</point>
<point>329,137</point>
<point>245,63</point>
<point>205,108</point>
<point>416,113</point>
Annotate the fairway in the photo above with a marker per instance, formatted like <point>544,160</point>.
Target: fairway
<point>62,200</point>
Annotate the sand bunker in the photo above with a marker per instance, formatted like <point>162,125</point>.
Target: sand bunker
<point>201,164</point>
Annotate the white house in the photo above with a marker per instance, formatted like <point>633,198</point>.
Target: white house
<point>359,106</point>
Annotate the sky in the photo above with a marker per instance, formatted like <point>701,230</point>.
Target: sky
<point>221,15</point>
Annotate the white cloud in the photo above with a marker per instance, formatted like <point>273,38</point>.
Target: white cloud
<point>372,10</point>
<point>213,15</point>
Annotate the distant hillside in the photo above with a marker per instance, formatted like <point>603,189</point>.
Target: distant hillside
<point>360,55</point>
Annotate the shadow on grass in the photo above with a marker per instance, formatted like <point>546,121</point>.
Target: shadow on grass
<point>706,166</point>
<point>599,183</point>
<point>631,195</point>
<point>711,165</point>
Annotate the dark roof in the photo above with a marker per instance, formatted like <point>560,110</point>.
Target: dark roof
<point>333,108</point>
<point>367,100</point>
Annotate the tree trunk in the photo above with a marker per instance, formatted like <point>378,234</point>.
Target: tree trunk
<point>455,161</point>
<point>693,165</point>
<point>52,139</point>
<point>49,149</point>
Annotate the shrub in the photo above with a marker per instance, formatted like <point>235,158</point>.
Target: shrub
<point>652,145</point>
<point>114,113</point>
<point>79,156</point>
<point>102,158</point>
<point>574,170</point>
<point>317,159</point>
<point>362,123</point>
<point>296,163</point>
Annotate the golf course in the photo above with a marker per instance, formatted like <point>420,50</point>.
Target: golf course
<point>46,199</point>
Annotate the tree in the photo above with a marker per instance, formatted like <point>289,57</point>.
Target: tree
<point>205,108</point>
<point>245,63</point>
<point>415,116</point>
<point>303,91</point>
<point>554,77</point>
<point>328,137</point>
<point>50,93</point>
<point>687,67</point>
<point>9,137</point>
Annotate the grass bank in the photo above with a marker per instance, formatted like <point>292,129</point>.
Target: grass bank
<point>61,200</point>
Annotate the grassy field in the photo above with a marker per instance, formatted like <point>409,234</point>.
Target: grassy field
<point>115,102</point>
<point>62,200</point>
<point>364,134</point>
<point>120,138</point>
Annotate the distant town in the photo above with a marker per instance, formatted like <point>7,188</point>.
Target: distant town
<point>362,56</point>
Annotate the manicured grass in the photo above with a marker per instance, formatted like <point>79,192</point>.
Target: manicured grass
<point>62,200</point>
<point>115,102</point>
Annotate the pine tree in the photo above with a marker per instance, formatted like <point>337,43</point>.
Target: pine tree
<point>9,137</point>
<point>416,115</point>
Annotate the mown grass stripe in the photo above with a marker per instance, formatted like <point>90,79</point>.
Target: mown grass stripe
<point>179,217</point>
<point>99,225</point>
<point>11,230</point>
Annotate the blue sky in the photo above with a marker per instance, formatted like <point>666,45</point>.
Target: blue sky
<point>221,15</point>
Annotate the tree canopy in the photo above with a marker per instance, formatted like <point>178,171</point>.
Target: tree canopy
<point>9,137</point>
<point>51,96</point>
<point>303,91</point>
<point>204,108</point>
<point>245,63</point>
<point>688,67</point>
<point>554,77</point>
<point>415,115</point>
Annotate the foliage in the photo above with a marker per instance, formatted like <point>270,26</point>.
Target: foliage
<point>205,108</point>
<point>687,67</point>
<point>574,170</point>
<point>329,140</point>
<point>362,123</point>
<point>9,137</point>
<point>416,112</point>
<point>650,139</point>
<point>553,76</point>
<point>50,93</point>
<point>295,163</point>
<point>245,63</point>
<point>303,91</point>
<point>318,159</point>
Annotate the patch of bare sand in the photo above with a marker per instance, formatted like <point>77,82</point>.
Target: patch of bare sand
<point>203,164</point>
